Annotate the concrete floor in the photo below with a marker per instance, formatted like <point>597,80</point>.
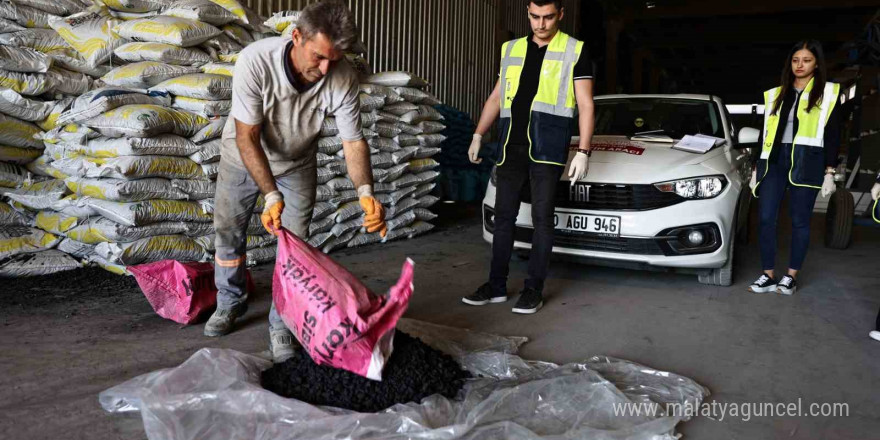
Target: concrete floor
<point>743,347</point>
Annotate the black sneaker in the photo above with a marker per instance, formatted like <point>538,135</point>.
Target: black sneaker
<point>763,284</point>
<point>787,285</point>
<point>484,295</point>
<point>530,301</point>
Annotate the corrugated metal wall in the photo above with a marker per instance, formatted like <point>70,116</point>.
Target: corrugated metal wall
<point>454,44</point>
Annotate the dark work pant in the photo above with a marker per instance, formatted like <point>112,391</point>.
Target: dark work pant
<point>511,176</point>
<point>801,201</point>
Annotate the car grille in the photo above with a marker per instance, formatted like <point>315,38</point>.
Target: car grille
<point>609,197</point>
<point>593,242</point>
<point>582,241</point>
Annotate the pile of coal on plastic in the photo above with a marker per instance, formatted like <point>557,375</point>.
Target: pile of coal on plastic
<point>414,371</point>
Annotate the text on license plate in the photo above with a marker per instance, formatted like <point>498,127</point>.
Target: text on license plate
<point>596,224</point>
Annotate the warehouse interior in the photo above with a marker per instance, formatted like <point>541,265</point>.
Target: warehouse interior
<point>70,336</point>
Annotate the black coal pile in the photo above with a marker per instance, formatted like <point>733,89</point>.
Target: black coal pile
<point>81,285</point>
<point>414,371</point>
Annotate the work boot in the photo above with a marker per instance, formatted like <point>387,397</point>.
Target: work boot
<point>530,301</point>
<point>221,322</point>
<point>282,344</point>
<point>484,295</point>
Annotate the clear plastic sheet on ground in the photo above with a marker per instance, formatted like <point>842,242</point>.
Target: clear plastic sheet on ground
<point>216,394</point>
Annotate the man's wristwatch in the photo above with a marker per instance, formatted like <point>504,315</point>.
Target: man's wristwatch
<point>588,152</point>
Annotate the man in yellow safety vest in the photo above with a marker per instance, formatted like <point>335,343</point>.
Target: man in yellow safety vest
<point>543,76</point>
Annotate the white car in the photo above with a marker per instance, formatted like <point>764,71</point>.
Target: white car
<point>644,204</point>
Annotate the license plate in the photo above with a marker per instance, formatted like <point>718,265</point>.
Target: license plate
<point>589,223</point>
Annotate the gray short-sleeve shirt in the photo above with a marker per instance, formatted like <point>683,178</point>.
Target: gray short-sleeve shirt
<point>262,93</point>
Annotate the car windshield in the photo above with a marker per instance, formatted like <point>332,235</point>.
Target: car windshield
<point>665,116</point>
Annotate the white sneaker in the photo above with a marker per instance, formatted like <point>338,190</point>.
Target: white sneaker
<point>875,335</point>
<point>763,284</point>
<point>787,285</point>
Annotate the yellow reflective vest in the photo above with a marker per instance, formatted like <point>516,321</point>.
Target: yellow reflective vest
<point>552,110</point>
<point>807,150</point>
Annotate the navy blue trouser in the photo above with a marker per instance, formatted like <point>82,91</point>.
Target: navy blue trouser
<point>801,201</point>
<point>511,176</point>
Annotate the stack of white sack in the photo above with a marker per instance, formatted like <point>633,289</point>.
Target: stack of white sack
<point>138,149</point>
<point>401,128</point>
<point>187,50</point>
<point>34,90</point>
<point>132,193</point>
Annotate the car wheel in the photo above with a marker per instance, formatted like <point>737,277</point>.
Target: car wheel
<point>839,220</point>
<point>723,276</point>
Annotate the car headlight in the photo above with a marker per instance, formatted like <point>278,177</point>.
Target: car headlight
<point>695,188</point>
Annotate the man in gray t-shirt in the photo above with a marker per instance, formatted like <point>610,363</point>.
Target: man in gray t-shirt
<point>282,91</point>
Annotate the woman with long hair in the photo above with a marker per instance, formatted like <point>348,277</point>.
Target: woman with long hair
<point>798,155</point>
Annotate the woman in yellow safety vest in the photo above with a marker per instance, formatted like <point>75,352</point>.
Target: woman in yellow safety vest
<point>799,145</point>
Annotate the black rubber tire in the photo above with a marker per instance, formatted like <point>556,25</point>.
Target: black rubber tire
<point>839,220</point>
<point>744,233</point>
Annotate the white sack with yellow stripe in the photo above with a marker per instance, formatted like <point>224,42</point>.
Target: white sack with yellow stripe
<point>23,59</point>
<point>139,167</point>
<point>162,247</point>
<point>181,32</point>
<point>90,33</point>
<point>163,53</point>
<point>146,121</point>
<point>145,74</point>
<point>97,230</point>
<point>122,190</point>
<point>154,211</point>
<point>16,240</point>
<point>42,40</point>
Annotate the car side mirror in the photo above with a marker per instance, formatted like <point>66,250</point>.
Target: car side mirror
<point>747,138</point>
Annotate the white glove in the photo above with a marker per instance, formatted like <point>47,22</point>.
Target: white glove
<point>474,149</point>
<point>579,167</point>
<point>875,191</point>
<point>828,186</point>
<point>754,182</point>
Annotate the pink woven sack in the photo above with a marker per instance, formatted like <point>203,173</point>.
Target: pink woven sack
<point>179,291</point>
<point>333,315</point>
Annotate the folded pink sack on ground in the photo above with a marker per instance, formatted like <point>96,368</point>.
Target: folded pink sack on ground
<point>179,291</point>
<point>333,315</point>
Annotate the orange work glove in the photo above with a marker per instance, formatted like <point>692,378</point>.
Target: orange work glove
<point>271,216</point>
<point>374,213</point>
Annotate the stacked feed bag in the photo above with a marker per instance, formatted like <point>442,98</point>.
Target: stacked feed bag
<point>460,180</point>
<point>33,92</point>
<point>137,195</point>
<point>138,149</point>
<point>402,130</point>
<point>188,51</point>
